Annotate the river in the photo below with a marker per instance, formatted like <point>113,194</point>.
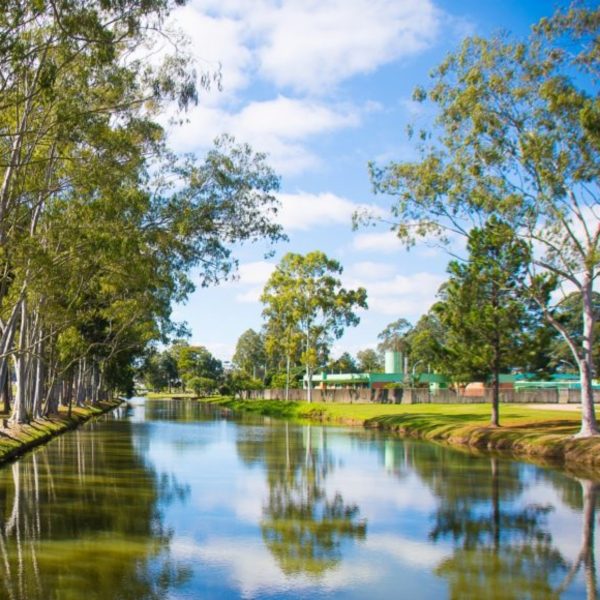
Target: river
<point>172,500</point>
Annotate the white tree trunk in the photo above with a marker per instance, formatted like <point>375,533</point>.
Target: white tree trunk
<point>19,412</point>
<point>589,425</point>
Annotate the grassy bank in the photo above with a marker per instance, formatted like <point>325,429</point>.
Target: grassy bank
<point>537,435</point>
<point>18,439</point>
<point>168,395</point>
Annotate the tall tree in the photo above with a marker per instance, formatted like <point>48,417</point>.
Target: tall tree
<point>395,336</point>
<point>517,135</point>
<point>250,355</point>
<point>483,309</point>
<point>305,293</point>
<point>99,223</point>
<point>369,361</point>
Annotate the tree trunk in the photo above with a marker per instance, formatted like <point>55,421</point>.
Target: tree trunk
<point>287,379</point>
<point>5,386</point>
<point>19,414</point>
<point>309,388</point>
<point>589,425</point>
<point>495,421</point>
<point>38,386</point>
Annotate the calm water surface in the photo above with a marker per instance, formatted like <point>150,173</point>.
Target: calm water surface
<point>171,501</point>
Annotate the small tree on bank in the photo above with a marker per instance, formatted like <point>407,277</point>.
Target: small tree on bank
<point>305,293</point>
<point>482,309</point>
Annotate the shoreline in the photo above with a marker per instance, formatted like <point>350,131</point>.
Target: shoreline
<point>17,440</point>
<point>539,435</point>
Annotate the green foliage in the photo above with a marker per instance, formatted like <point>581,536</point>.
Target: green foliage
<point>395,336</point>
<point>100,224</point>
<point>238,382</point>
<point>201,386</point>
<point>250,354</point>
<point>343,364</point>
<point>427,343</point>
<point>482,307</point>
<point>369,361</point>
<point>516,136</point>
<point>196,362</point>
<point>306,305</point>
<point>569,314</point>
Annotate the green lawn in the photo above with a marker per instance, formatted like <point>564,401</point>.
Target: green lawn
<point>168,395</point>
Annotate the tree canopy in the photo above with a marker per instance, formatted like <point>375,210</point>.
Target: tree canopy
<point>100,223</point>
<point>305,298</point>
<point>516,136</point>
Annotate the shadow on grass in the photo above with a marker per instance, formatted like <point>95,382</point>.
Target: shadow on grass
<point>426,422</point>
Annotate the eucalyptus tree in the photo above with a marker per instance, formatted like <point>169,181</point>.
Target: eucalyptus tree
<point>394,336</point>
<point>68,98</point>
<point>516,135</point>
<point>568,313</point>
<point>369,361</point>
<point>99,223</point>
<point>250,355</point>
<point>305,294</point>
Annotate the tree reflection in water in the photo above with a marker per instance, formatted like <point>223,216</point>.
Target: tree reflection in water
<point>79,519</point>
<point>303,527</point>
<point>502,549</point>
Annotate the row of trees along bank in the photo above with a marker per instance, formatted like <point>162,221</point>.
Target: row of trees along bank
<point>99,222</point>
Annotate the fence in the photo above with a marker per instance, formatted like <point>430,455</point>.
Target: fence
<point>425,396</point>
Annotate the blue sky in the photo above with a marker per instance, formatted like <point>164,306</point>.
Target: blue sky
<point>323,87</point>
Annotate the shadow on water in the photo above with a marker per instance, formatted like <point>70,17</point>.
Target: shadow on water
<point>79,519</point>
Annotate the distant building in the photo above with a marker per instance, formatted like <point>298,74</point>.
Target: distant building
<point>393,374</point>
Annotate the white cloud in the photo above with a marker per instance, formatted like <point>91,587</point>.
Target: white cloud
<point>254,569</point>
<point>304,46</point>
<point>303,211</point>
<point>370,270</point>
<point>250,280</point>
<point>310,45</point>
<point>402,295</point>
<point>418,554</point>
<point>385,241</point>
<point>217,40</point>
<point>278,127</point>
<point>256,272</point>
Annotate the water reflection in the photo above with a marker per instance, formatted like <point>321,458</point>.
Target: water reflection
<point>303,527</point>
<point>175,501</point>
<point>67,528</point>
